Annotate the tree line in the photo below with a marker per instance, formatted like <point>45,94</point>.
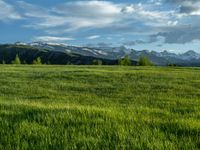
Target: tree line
<point>18,61</point>
<point>125,61</point>
<point>143,61</point>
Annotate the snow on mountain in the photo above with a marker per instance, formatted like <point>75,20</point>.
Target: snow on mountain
<point>190,55</point>
<point>159,58</point>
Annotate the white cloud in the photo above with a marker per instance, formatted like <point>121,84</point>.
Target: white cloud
<point>190,8</point>
<point>156,2</point>
<point>109,18</point>
<point>8,12</point>
<point>149,16</point>
<point>128,9</point>
<point>105,16</point>
<point>93,37</point>
<point>172,23</point>
<point>52,39</point>
<point>73,16</point>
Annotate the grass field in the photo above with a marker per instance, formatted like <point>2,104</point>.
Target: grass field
<point>91,107</point>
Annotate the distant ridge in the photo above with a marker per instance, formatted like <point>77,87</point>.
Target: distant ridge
<point>56,53</point>
<point>28,54</point>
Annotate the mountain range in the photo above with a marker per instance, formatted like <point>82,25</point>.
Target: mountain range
<point>65,54</point>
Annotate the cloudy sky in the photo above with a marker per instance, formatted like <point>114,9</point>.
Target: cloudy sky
<point>140,24</point>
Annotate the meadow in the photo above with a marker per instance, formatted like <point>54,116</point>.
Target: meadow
<point>99,107</point>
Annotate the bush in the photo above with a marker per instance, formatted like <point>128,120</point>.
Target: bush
<point>97,62</point>
<point>125,61</point>
<point>17,60</point>
<point>37,61</point>
<point>144,61</point>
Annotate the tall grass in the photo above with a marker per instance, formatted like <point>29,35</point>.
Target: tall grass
<point>96,107</point>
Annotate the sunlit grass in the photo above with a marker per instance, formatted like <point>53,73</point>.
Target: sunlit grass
<point>95,107</point>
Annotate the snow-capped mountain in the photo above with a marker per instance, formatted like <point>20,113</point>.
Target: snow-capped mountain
<point>190,55</point>
<point>86,51</point>
<point>159,58</point>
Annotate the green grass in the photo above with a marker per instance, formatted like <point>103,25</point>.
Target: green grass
<point>94,107</point>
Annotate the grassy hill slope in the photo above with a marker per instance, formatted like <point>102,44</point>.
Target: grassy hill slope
<point>74,107</point>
